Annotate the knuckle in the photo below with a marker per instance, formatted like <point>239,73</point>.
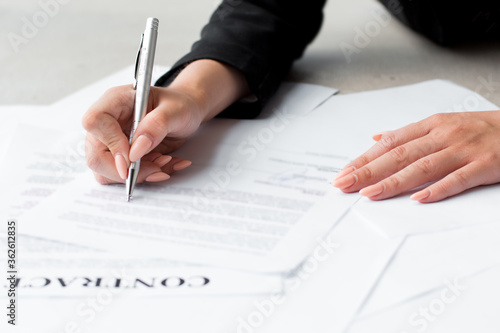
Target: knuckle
<point>365,173</point>
<point>363,160</point>
<point>399,154</point>
<point>425,166</point>
<point>90,120</point>
<point>388,141</point>
<point>460,178</point>
<point>490,157</point>
<point>93,162</point>
<point>393,182</point>
<point>438,118</point>
<point>114,90</point>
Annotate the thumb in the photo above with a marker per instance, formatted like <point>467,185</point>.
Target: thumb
<point>151,131</point>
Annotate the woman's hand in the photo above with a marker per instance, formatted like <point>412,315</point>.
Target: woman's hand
<point>457,151</point>
<point>202,90</point>
<point>172,116</point>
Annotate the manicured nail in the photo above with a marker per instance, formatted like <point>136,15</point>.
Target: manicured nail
<point>345,171</point>
<point>140,147</point>
<point>421,195</point>
<point>345,182</point>
<point>377,137</point>
<point>162,160</point>
<point>121,165</point>
<point>181,165</point>
<point>372,191</point>
<point>157,177</point>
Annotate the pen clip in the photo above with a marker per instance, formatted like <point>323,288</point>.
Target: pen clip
<point>137,61</point>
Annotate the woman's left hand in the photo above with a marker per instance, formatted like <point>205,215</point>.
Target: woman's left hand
<point>457,151</point>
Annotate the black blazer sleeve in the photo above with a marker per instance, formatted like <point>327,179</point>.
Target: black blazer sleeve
<point>261,38</point>
<point>449,22</point>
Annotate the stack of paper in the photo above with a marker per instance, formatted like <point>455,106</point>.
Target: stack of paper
<point>252,237</point>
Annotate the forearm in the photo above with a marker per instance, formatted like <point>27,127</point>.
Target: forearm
<point>212,85</point>
<point>260,38</point>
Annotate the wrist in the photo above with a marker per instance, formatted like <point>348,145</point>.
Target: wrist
<point>212,85</point>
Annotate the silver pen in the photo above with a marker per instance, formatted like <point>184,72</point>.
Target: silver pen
<point>143,73</point>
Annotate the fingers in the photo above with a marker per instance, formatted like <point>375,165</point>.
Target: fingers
<point>388,164</point>
<point>469,176</point>
<point>106,129</point>
<point>105,121</point>
<point>102,163</point>
<point>155,167</point>
<point>176,164</point>
<point>387,141</point>
<point>149,172</point>
<point>456,151</point>
<point>427,169</point>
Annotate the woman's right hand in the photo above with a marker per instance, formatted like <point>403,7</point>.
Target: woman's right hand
<point>174,113</point>
<point>171,117</point>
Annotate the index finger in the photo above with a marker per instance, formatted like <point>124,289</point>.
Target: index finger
<point>386,142</point>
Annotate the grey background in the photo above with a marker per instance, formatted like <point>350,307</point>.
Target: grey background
<point>85,40</point>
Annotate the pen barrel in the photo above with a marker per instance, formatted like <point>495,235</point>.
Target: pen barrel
<point>145,68</point>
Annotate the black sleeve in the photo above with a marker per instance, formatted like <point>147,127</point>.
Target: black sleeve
<point>261,38</point>
<point>448,22</point>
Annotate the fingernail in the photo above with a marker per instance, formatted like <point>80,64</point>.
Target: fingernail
<point>377,137</point>
<point>121,165</point>
<point>372,191</point>
<point>345,182</point>
<point>181,165</point>
<point>162,160</point>
<point>345,171</point>
<point>424,194</point>
<point>140,147</point>
<point>157,177</point>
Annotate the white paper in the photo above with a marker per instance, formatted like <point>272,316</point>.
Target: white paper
<point>401,216</point>
<point>242,203</point>
<point>330,288</point>
<point>259,221</point>
<point>425,261</point>
<point>469,305</point>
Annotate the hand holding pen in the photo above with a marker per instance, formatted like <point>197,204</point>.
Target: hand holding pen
<point>202,89</point>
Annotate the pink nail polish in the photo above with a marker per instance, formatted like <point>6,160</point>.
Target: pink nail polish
<point>345,182</point>
<point>421,195</point>
<point>121,165</point>
<point>372,191</point>
<point>157,177</point>
<point>345,171</point>
<point>377,137</point>
<point>140,147</point>
<point>162,160</point>
<point>181,165</point>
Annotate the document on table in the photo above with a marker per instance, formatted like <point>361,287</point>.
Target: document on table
<point>45,157</point>
<point>237,224</point>
<point>267,218</point>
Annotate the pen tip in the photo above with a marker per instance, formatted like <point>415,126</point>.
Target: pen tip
<point>129,197</point>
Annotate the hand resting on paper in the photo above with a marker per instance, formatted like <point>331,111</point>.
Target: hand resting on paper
<point>174,113</point>
<point>456,151</point>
